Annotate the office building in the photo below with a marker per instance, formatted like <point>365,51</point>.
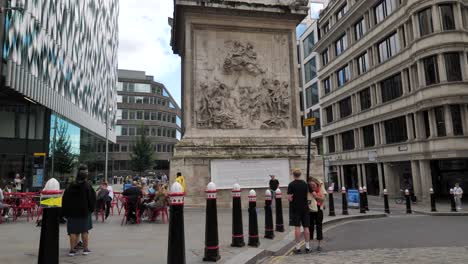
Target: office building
<point>59,75</point>
<point>393,83</point>
<point>144,106</point>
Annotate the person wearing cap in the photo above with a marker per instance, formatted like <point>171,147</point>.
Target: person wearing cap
<point>299,210</point>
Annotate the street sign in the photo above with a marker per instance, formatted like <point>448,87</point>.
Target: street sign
<point>309,121</point>
<point>39,154</point>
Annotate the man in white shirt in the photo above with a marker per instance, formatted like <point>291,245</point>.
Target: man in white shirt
<point>164,178</point>
<point>458,194</point>
<point>18,183</point>
<point>3,211</point>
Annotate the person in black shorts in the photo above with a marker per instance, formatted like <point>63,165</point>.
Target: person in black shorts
<point>299,209</point>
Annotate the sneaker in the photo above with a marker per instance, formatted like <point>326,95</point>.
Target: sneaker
<point>308,250</point>
<point>72,253</point>
<point>86,252</point>
<point>79,246</point>
<point>319,249</point>
<point>297,251</point>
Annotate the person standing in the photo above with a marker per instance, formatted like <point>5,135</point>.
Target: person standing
<point>458,195</point>
<point>18,183</point>
<point>164,178</point>
<point>299,210</point>
<point>180,179</point>
<point>316,199</point>
<point>78,204</point>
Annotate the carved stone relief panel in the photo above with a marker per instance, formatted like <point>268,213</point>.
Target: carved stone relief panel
<point>241,80</point>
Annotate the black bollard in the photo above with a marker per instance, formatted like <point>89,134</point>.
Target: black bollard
<point>176,243</point>
<point>331,203</point>
<point>366,202</point>
<point>269,233</point>
<point>50,232</point>
<point>237,228</point>
<point>385,197</point>
<point>452,201</point>
<point>279,211</point>
<point>433,203</point>
<point>362,210</point>
<point>344,201</point>
<point>211,227</point>
<point>49,241</point>
<point>253,223</point>
<point>408,202</point>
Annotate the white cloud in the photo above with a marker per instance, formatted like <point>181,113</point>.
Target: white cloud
<point>144,41</point>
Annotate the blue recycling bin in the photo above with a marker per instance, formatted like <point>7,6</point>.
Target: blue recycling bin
<point>353,198</point>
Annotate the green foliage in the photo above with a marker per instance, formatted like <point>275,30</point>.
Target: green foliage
<point>142,155</point>
<point>64,159</point>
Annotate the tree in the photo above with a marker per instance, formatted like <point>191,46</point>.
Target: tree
<point>64,159</point>
<point>142,156</point>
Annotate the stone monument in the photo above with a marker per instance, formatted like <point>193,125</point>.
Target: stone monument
<point>240,95</point>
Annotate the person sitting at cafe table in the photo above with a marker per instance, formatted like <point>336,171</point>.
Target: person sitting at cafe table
<point>132,194</point>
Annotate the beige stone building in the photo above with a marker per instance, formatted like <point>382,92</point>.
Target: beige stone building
<point>393,81</point>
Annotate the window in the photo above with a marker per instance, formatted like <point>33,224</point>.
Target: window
<point>425,21</point>
<point>448,21</point>
<point>359,29</point>
<point>388,47</point>
<point>383,9</point>
<point>325,57</point>
<point>343,75</point>
<point>391,88</point>
<point>368,135</point>
<point>159,148</point>
<point>430,70</point>
<point>124,99</point>
<point>159,116</point>
<point>316,114</point>
<point>124,115</point>
<point>327,85</point>
<point>440,121</point>
<point>362,63</point>
<point>139,99</point>
<point>123,148</point>
<point>124,131</point>
<point>309,44</point>
<point>301,100</point>
<point>331,144</point>
<point>131,131</point>
<point>427,128</point>
<point>310,70</point>
<point>365,98</point>
<point>131,99</point>
<point>311,95</point>
<point>347,139</point>
<point>341,45</point>
<point>341,12</point>
<point>139,115</point>
<point>154,116</point>
<point>325,28</point>
<point>345,107</point>
<point>131,115</point>
<point>159,131</point>
<point>456,120</point>
<point>452,66</point>
<point>147,115</point>
<point>395,130</point>
<point>329,114</point>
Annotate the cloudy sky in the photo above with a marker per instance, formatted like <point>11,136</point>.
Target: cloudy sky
<point>144,37</point>
<point>144,41</point>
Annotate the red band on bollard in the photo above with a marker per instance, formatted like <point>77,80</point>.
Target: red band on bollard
<point>212,247</point>
<point>237,236</point>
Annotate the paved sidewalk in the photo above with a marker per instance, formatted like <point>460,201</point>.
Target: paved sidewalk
<point>145,243</point>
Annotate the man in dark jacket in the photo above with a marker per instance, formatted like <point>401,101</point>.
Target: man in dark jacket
<point>132,194</point>
<point>78,203</point>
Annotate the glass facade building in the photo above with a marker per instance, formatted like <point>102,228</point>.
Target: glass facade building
<point>58,85</point>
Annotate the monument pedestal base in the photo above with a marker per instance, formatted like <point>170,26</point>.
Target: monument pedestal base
<point>193,158</point>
